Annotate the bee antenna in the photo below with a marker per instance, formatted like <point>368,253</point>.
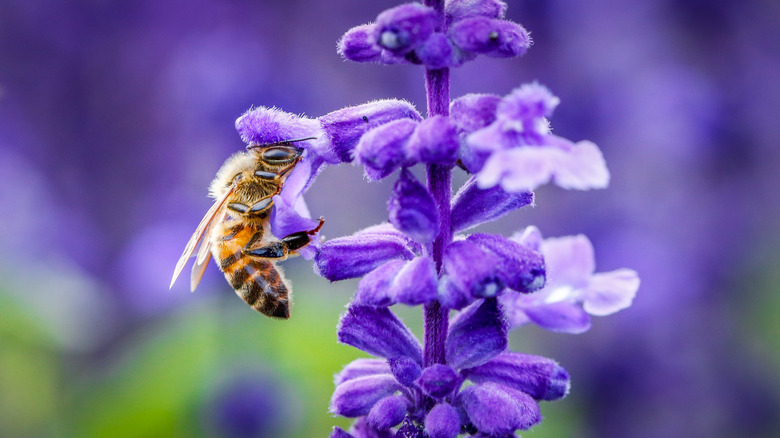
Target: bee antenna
<point>279,143</point>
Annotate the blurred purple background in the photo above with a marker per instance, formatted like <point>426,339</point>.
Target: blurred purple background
<point>115,115</point>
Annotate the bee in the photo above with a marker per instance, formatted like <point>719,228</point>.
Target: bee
<point>236,229</point>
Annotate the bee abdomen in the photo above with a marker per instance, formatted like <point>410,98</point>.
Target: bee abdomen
<point>259,284</point>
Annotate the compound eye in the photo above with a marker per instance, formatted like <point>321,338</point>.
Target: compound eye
<point>280,154</point>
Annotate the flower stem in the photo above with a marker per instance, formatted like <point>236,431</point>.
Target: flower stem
<point>437,87</point>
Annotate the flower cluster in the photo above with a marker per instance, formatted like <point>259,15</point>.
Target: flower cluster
<point>413,33</point>
<point>432,399</point>
<point>461,379</point>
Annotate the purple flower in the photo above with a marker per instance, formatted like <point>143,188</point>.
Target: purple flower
<point>410,33</point>
<point>385,393</point>
<point>517,150</point>
<point>414,389</point>
<point>574,291</point>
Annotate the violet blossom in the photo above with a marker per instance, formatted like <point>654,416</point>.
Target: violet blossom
<point>574,291</point>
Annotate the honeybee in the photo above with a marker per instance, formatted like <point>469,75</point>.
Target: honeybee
<point>236,229</point>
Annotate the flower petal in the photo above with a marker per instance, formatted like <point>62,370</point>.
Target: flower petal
<point>495,38</point>
<point>460,9</point>
<point>359,44</point>
<point>416,283</point>
<point>355,397</point>
<point>405,370</point>
<point>518,169</point>
<point>451,296</point>
<point>438,381</point>
<point>472,205</point>
<point>379,332</point>
<point>570,260</point>
<point>381,149</point>
<point>437,52</point>
<point>356,255</point>
<point>609,292</point>
<point>528,103</point>
<point>345,126</point>
<point>472,269</point>
<point>387,412</point>
<point>476,336</point>
<point>442,421</point>
<point>530,238</point>
<point>405,27</point>
<point>374,287</point>
<point>338,432</point>
<point>412,209</point>
<point>474,111</point>
<point>582,168</point>
<point>496,410</point>
<point>361,429</point>
<point>435,141</point>
<point>261,126</point>
<point>559,317</point>
<point>361,367</point>
<point>539,377</point>
<point>520,268</point>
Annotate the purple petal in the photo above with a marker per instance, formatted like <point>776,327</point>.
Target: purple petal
<point>344,127</point>
<point>412,209</point>
<point>263,125</point>
<point>437,52</point>
<point>530,238</point>
<point>496,410</point>
<point>374,287</point>
<point>520,268</point>
<point>570,260</point>
<point>359,44</point>
<point>356,255</point>
<point>472,205</point>
<point>439,381</point>
<point>361,367</point>
<point>355,397</point>
<point>435,141</point>
<point>381,149</point>
<point>442,421</point>
<point>361,429</point>
<point>471,113</point>
<point>405,370</point>
<point>495,38</point>
<point>474,111</point>
<point>472,269</point>
<point>460,9</point>
<point>451,296</point>
<point>416,283</point>
<point>379,332</point>
<point>539,377</point>
<point>405,27</point>
<point>561,317</point>
<point>476,336</point>
<point>338,432</point>
<point>518,169</point>
<point>287,219</point>
<point>582,168</point>
<point>528,103</point>
<point>387,412</point>
<point>609,292</point>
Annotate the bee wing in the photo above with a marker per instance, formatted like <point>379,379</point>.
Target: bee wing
<point>203,230</point>
<point>197,271</point>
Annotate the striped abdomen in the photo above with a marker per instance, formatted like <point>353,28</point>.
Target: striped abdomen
<point>257,281</point>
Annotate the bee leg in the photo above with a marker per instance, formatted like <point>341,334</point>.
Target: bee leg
<point>282,248</point>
